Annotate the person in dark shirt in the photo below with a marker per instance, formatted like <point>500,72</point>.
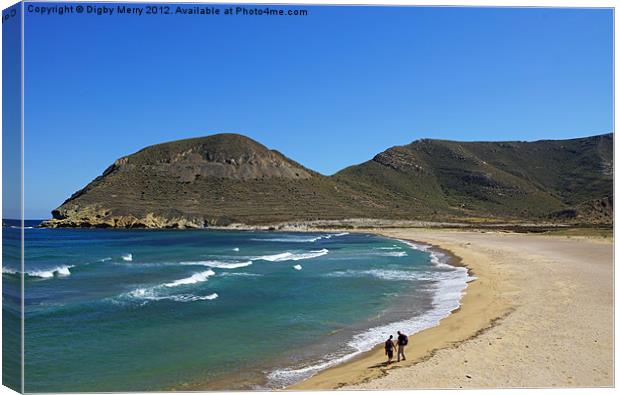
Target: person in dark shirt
<point>402,342</point>
<point>389,349</point>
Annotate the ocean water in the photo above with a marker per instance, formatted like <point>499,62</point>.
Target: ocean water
<point>125,310</point>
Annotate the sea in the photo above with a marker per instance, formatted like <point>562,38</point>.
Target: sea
<point>152,310</point>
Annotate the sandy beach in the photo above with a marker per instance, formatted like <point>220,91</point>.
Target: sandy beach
<point>539,314</point>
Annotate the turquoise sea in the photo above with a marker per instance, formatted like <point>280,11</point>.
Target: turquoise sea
<point>125,310</point>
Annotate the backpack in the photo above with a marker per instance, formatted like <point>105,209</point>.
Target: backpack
<point>405,340</point>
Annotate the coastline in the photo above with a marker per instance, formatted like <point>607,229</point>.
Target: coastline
<point>445,300</point>
<point>538,314</point>
<point>438,256</point>
<point>479,309</point>
<point>486,304</point>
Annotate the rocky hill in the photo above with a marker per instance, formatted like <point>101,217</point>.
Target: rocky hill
<point>210,181</point>
<point>482,179</point>
<point>228,179</point>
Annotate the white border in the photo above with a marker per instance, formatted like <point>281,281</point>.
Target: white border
<point>471,3</point>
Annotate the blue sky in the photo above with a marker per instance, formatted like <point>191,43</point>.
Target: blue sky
<point>329,90</point>
<point>11,118</point>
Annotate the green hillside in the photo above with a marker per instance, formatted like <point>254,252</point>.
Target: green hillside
<point>504,179</point>
<point>228,178</point>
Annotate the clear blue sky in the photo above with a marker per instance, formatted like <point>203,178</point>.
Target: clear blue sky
<point>11,115</point>
<point>329,90</point>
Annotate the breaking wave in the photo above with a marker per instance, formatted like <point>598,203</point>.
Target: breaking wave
<point>150,294</point>
<point>217,264</point>
<point>240,274</point>
<point>193,279</point>
<point>158,292</point>
<point>58,271</point>
<point>389,275</point>
<point>302,239</point>
<point>290,256</point>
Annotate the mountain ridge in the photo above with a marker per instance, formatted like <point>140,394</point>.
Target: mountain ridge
<point>227,178</point>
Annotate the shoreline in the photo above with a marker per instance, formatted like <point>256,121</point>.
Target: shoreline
<point>538,314</point>
<point>445,257</point>
<point>438,257</point>
<point>370,364</point>
<point>533,318</point>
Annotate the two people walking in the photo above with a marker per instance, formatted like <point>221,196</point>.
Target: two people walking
<point>402,341</point>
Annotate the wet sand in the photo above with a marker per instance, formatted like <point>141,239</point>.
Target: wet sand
<point>540,314</point>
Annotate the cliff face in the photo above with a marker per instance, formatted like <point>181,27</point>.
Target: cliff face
<point>228,178</point>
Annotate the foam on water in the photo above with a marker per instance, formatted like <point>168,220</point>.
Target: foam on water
<point>302,239</point>
<point>217,264</point>
<point>449,287</point>
<point>58,271</point>
<point>157,292</point>
<point>240,274</point>
<point>8,270</point>
<point>393,253</point>
<point>297,267</point>
<point>290,256</point>
<point>329,236</point>
<point>290,239</point>
<point>390,275</point>
<point>127,257</point>
<point>193,279</point>
<point>150,294</point>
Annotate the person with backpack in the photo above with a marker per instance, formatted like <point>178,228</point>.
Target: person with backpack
<point>389,349</point>
<point>403,340</point>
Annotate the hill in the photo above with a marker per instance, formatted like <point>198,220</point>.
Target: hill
<point>498,179</point>
<point>209,181</point>
<point>223,179</point>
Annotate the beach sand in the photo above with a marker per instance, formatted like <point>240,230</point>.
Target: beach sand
<point>540,314</point>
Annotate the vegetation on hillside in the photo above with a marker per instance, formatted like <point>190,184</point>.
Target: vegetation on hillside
<point>229,178</point>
